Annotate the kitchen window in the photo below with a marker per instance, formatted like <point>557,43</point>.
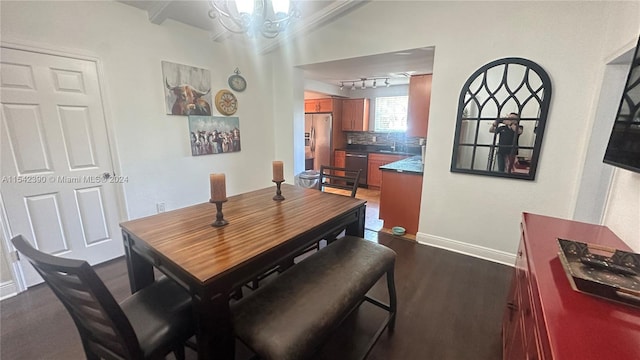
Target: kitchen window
<point>391,113</point>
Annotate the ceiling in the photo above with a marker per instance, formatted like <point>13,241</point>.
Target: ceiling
<point>396,66</point>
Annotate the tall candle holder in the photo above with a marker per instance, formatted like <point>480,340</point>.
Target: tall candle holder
<point>278,196</point>
<point>220,221</point>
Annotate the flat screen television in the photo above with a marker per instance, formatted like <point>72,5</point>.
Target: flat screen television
<point>623,149</point>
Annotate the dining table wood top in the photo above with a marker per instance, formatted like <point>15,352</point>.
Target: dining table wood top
<point>257,224</point>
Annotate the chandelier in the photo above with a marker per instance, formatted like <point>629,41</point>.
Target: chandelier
<point>268,17</point>
<point>364,82</point>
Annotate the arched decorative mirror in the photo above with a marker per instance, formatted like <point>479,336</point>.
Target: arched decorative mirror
<point>501,118</point>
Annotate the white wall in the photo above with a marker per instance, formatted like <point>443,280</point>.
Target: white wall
<point>153,148</point>
<point>477,213</point>
<point>622,213</point>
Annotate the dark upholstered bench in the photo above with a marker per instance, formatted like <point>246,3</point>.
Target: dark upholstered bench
<point>294,314</point>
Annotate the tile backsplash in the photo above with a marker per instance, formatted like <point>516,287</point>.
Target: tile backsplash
<point>379,138</point>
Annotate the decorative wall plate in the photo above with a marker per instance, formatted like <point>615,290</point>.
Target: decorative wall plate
<point>226,102</point>
<point>237,82</point>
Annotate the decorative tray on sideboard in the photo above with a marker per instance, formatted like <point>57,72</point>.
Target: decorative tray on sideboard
<point>601,271</point>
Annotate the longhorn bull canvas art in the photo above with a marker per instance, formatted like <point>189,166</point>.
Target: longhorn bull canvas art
<point>187,89</point>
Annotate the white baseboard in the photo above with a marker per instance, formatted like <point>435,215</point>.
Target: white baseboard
<point>481,252</point>
<point>8,289</point>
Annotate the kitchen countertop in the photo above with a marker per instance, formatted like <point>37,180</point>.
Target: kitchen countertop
<point>412,165</point>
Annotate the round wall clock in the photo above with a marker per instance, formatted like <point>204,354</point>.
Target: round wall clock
<point>237,82</point>
<point>226,102</point>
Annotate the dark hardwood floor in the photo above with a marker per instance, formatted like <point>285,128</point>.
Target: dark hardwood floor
<point>449,307</point>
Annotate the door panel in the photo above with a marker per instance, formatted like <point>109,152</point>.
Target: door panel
<point>54,150</point>
<point>43,212</point>
<point>26,137</point>
<point>78,138</point>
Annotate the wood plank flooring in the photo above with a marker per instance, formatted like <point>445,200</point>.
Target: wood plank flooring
<point>372,222</point>
<point>449,307</point>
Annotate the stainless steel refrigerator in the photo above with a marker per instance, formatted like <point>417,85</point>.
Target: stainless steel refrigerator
<point>318,129</point>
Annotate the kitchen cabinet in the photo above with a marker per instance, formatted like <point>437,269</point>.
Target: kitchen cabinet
<point>318,105</point>
<point>374,174</point>
<point>418,107</point>
<point>544,318</point>
<point>355,114</point>
<point>339,160</point>
<point>400,196</point>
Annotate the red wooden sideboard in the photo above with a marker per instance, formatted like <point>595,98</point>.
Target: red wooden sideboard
<point>545,318</point>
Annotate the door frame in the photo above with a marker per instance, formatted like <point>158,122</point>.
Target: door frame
<point>19,283</point>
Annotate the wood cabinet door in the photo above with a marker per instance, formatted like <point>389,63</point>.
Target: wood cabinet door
<point>310,106</point>
<point>355,114</point>
<point>348,114</point>
<point>419,103</point>
<point>361,115</point>
<point>318,105</point>
<point>325,105</point>
<point>374,174</point>
<point>339,160</point>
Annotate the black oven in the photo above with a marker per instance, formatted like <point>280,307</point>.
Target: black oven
<point>357,160</point>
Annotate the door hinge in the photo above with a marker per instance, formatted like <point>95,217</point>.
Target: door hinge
<point>14,256</point>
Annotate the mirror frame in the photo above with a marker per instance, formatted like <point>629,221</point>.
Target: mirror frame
<point>544,101</point>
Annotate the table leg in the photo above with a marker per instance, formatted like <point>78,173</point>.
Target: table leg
<point>357,228</point>
<point>140,271</point>
<point>214,331</point>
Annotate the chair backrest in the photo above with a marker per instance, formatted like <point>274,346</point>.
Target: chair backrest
<point>103,326</point>
<point>339,178</point>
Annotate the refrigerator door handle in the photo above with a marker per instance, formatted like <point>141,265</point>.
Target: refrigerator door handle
<point>312,142</point>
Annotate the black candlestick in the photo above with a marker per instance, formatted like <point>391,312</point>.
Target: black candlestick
<point>220,221</point>
<point>278,196</point>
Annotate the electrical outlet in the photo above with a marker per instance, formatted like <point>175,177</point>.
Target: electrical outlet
<point>161,208</point>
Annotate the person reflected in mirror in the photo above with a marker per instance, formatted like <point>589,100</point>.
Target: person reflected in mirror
<point>507,130</point>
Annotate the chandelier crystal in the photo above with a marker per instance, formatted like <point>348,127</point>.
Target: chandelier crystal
<point>267,17</point>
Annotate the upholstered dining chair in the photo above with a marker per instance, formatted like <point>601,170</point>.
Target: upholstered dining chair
<point>148,325</point>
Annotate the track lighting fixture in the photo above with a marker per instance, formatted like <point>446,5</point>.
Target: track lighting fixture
<point>373,83</point>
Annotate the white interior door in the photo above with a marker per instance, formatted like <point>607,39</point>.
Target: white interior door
<point>54,153</point>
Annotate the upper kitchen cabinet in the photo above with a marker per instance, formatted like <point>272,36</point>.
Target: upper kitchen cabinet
<point>318,105</point>
<point>355,114</point>
<point>419,102</point>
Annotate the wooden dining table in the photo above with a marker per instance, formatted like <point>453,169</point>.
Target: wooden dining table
<point>210,262</point>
